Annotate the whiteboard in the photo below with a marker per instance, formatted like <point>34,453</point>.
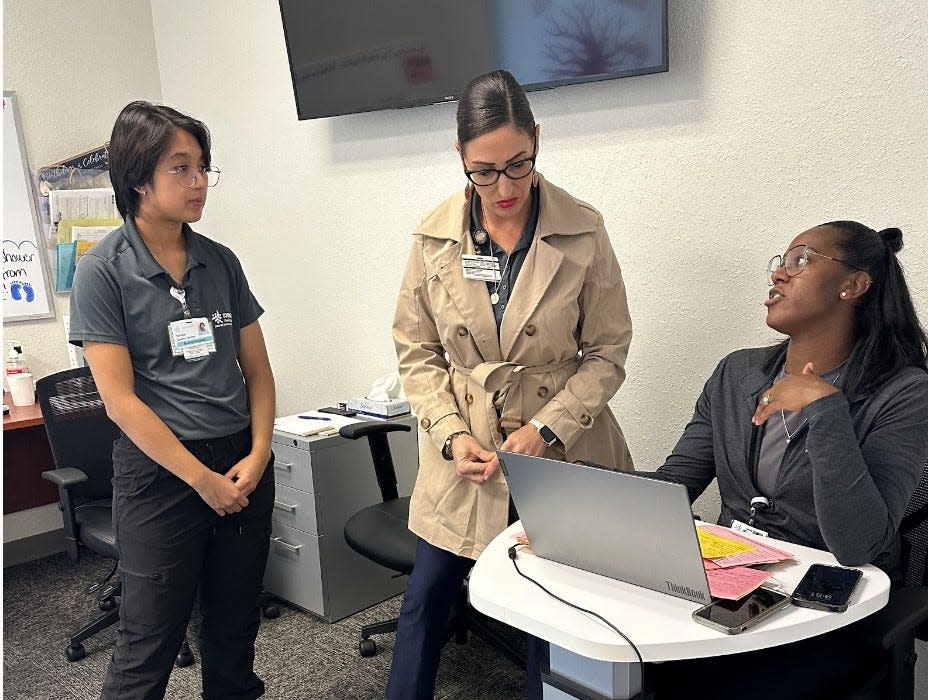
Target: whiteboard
<point>26,288</point>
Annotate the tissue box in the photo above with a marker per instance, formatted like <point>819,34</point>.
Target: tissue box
<point>381,409</point>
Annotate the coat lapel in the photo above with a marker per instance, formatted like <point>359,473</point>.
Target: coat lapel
<point>541,264</point>
<point>469,297</point>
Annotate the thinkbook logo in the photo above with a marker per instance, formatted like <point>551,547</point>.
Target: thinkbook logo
<point>685,590</point>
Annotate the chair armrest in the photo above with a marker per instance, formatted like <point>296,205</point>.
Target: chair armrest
<point>373,427</point>
<point>907,609</point>
<point>65,478</point>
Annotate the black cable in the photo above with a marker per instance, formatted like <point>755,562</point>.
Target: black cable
<point>512,557</point>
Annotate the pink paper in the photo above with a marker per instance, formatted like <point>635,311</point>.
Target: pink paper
<point>761,554</point>
<point>734,582</point>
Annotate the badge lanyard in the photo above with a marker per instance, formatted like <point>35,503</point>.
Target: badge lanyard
<point>181,295</point>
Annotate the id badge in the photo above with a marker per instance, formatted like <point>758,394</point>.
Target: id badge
<point>481,267</point>
<point>191,338</point>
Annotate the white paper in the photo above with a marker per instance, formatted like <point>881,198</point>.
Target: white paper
<point>312,423</point>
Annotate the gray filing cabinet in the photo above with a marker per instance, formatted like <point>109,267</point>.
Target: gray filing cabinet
<point>321,482</point>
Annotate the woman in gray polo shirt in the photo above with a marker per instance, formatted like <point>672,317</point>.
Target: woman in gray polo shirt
<point>170,329</point>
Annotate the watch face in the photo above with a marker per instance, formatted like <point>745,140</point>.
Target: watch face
<point>547,435</point>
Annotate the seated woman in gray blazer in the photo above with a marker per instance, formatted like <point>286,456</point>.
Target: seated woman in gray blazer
<point>820,440</point>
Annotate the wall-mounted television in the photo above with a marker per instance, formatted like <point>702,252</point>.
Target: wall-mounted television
<point>349,56</point>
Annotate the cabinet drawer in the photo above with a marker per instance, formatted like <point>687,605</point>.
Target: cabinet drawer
<point>293,569</point>
<point>293,467</point>
<point>295,508</point>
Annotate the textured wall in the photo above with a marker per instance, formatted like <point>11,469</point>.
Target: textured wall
<point>773,117</point>
<point>73,67</point>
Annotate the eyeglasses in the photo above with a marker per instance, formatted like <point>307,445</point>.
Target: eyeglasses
<point>188,177</point>
<point>514,171</point>
<point>795,260</point>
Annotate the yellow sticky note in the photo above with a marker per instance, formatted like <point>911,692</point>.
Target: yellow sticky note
<point>714,546</point>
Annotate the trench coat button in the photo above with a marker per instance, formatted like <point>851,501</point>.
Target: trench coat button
<point>462,331</point>
<point>530,330</point>
<point>585,420</point>
<point>425,423</point>
<point>469,398</point>
<point>542,391</point>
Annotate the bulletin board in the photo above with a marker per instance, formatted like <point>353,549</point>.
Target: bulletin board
<point>26,289</point>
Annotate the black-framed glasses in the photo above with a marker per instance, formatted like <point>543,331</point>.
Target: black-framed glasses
<point>795,260</point>
<point>189,177</point>
<point>483,177</point>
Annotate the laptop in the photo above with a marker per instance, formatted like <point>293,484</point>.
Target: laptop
<point>616,524</point>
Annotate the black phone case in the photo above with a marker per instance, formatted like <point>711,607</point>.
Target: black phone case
<point>815,604</point>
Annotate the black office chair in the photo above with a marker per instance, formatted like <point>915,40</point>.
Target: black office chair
<point>381,533</point>
<point>81,438</point>
<point>892,631</point>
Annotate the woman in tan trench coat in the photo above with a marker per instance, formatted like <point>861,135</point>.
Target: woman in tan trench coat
<point>524,360</point>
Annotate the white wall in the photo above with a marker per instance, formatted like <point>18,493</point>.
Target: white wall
<point>73,67</point>
<point>774,117</point>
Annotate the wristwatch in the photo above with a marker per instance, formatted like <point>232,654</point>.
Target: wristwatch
<point>546,433</point>
<point>446,448</point>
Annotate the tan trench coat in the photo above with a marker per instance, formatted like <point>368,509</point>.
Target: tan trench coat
<point>559,357</point>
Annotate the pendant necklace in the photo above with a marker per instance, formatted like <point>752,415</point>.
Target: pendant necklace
<point>494,297</point>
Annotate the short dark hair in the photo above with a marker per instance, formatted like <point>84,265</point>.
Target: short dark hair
<point>889,334</point>
<point>141,135</point>
<point>490,101</point>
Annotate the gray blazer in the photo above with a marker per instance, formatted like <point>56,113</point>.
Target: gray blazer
<point>846,477</point>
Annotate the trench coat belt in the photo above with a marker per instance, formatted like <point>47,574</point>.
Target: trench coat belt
<point>499,410</point>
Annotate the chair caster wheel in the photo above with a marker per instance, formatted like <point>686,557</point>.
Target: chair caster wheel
<point>184,656</point>
<point>107,605</point>
<point>75,652</point>
<point>271,612</point>
<point>367,648</point>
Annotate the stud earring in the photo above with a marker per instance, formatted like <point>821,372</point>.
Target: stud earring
<point>843,295</point>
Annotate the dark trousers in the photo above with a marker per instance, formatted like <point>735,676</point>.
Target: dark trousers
<point>170,544</point>
<point>431,590</point>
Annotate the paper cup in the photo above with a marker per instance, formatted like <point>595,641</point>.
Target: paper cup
<point>22,388</point>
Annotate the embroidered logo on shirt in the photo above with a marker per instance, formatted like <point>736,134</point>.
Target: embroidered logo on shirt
<point>221,319</point>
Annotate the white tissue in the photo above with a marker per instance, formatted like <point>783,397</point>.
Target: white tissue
<point>386,388</point>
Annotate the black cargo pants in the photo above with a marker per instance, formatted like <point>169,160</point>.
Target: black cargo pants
<point>170,544</point>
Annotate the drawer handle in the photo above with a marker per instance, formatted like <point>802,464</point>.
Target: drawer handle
<point>295,548</point>
<point>285,466</point>
<point>280,505</point>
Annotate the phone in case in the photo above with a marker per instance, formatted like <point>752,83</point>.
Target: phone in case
<point>827,588</point>
<point>735,616</point>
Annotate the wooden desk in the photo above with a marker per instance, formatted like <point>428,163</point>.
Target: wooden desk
<point>26,454</point>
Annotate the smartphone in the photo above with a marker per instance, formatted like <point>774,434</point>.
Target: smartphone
<point>338,411</point>
<point>827,588</point>
<point>734,616</point>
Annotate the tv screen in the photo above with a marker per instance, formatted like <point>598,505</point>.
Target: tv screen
<point>350,56</point>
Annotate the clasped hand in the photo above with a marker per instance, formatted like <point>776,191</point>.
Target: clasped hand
<point>476,464</point>
<point>792,393</point>
<point>228,493</point>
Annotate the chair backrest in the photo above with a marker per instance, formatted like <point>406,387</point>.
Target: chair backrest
<point>79,431</point>
<point>914,533</point>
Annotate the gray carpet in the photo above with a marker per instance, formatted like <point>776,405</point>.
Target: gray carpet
<point>298,655</point>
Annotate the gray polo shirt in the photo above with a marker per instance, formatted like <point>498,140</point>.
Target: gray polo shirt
<point>122,295</point>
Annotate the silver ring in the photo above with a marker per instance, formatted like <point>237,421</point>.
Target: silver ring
<point>766,400</point>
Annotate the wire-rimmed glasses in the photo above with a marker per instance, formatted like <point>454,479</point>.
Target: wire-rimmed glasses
<point>189,177</point>
<point>795,260</point>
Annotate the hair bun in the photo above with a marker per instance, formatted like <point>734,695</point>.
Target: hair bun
<point>892,237</point>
